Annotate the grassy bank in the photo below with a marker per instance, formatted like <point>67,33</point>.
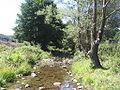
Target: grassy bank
<point>100,79</point>
<point>18,60</point>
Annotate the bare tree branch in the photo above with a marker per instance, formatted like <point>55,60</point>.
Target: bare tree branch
<point>94,32</point>
<point>107,3</point>
<point>112,13</point>
<point>103,21</point>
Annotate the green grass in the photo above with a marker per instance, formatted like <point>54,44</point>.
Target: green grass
<point>18,60</point>
<point>99,79</point>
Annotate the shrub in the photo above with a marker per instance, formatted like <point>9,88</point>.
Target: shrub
<point>44,55</point>
<point>2,82</point>
<point>79,56</point>
<point>109,49</point>
<point>7,74</point>
<point>26,43</point>
<point>24,68</point>
<point>18,60</point>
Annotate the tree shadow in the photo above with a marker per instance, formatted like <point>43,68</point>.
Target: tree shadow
<point>104,68</point>
<point>61,54</point>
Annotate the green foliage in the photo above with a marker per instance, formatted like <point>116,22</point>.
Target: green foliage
<point>109,49</point>
<point>79,55</point>
<point>109,34</point>
<point>44,55</point>
<point>68,41</point>
<point>26,43</point>
<point>117,36</point>
<point>37,23</point>
<point>7,74</point>
<point>18,60</point>
<point>99,79</point>
<point>2,82</point>
<point>23,68</point>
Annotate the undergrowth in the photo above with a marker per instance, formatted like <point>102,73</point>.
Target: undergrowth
<point>18,60</point>
<point>99,79</point>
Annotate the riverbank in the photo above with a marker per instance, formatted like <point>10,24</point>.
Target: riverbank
<point>49,74</point>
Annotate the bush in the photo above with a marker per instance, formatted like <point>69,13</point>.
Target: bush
<point>7,74</point>
<point>79,56</point>
<point>18,60</point>
<point>24,68</point>
<point>2,82</point>
<point>109,49</point>
<point>26,43</point>
<point>44,55</point>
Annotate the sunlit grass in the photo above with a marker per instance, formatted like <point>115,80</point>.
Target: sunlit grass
<point>99,79</point>
<point>18,60</point>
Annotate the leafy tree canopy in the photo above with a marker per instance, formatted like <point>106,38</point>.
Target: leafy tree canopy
<point>38,24</point>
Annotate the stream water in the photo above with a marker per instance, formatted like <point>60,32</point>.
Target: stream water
<point>47,75</point>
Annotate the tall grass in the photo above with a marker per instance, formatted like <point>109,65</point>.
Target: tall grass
<point>18,60</point>
<point>100,79</point>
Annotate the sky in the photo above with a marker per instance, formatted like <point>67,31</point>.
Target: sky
<point>8,15</point>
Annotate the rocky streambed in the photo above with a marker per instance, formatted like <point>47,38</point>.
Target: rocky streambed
<point>48,74</point>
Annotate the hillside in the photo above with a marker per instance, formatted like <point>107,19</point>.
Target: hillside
<point>5,38</point>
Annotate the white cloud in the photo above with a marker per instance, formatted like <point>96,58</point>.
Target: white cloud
<point>8,15</point>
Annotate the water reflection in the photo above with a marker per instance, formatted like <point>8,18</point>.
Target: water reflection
<point>66,86</point>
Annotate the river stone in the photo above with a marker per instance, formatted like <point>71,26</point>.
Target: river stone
<point>23,78</point>
<point>18,82</point>
<point>74,89</point>
<point>74,80</point>
<point>33,75</point>
<point>41,88</point>
<point>19,75</point>
<point>80,87</point>
<point>66,86</point>
<point>64,67</point>
<point>2,89</point>
<point>27,85</point>
<point>78,84</point>
<point>23,83</point>
<point>57,84</point>
<point>70,73</point>
<point>34,68</point>
<point>67,61</point>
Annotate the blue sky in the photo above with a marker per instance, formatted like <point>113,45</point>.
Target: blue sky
<point>8,14</point>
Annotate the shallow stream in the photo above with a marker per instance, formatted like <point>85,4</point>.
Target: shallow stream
<point>47,76</point>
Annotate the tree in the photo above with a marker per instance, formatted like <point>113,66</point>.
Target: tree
<point>96,36</point>
<point>101,12</point>
<point>38,24</point>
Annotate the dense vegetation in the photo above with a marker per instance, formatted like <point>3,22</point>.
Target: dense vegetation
<point>100,79</point>
<point>90,26</point>
<point>19,60</point>
<point>38,23</point>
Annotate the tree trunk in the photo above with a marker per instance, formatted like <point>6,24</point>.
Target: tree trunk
<point>95,40</point>
<point>93,53</point>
